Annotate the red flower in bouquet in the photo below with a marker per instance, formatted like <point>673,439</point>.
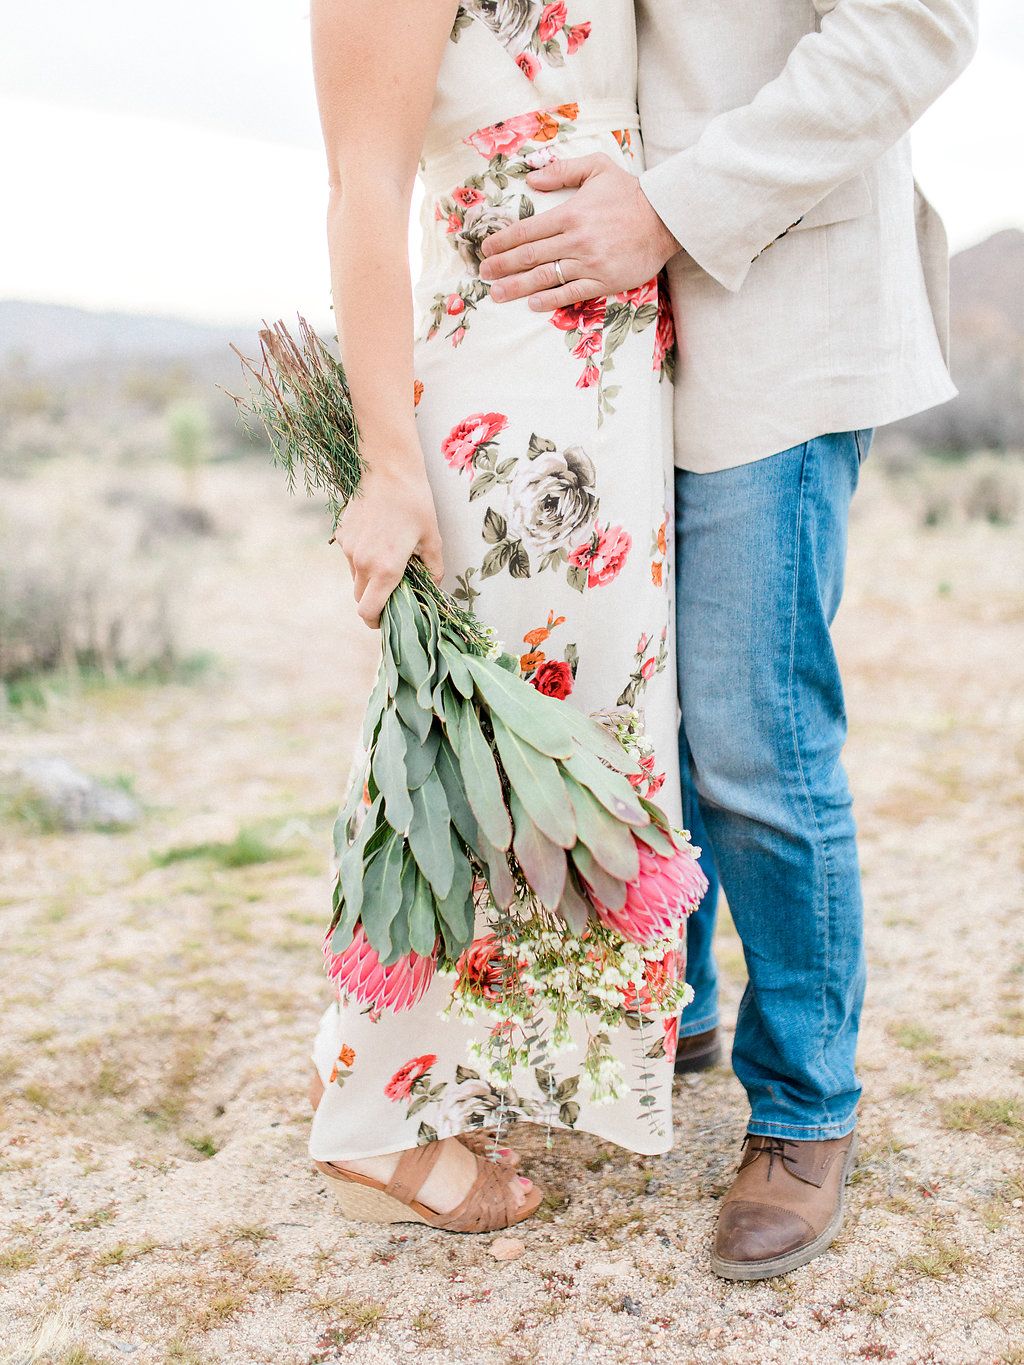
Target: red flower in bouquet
<point>671,1025</point>
<point>603,555</point>
<point>552,21</point>
<point>467,436</point>
<point>665,890</point>
<point>580,317</point>
<point>358,972</point>
<point>479,969</point>
<point>553,678</point>
<point>401,1083</point>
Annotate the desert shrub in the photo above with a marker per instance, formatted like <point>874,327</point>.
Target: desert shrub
<point>81,587</point>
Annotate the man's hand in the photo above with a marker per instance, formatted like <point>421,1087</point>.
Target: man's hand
<point>607,238</point>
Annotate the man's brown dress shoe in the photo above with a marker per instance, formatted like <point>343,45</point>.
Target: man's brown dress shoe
<point>784,1207</point>
<point>699,1052</point>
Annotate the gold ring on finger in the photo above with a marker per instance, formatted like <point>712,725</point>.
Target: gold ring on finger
<point>558,272</point>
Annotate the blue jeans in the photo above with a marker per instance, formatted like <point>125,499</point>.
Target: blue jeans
<point>761,550</point>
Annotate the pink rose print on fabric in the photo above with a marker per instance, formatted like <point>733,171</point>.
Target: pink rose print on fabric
<point>508,135</point>
<point>528,65</point>
<point>466,196</point>
<point>462,444</point>
<point>580,317</point>
<point>401,1083</point>
<point>603,555</point>
<point>552,21</point>
<point>577,36</point>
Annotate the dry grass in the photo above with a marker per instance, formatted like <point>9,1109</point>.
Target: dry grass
<point>162,985</point>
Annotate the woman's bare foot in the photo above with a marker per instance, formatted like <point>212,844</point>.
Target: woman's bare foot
<point>447,1184</point>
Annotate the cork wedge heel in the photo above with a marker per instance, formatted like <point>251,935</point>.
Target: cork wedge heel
<point>488,1206</point>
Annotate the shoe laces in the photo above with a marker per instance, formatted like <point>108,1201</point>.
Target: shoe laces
<point>775,1147</point>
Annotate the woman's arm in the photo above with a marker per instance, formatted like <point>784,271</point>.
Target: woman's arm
<point>375,67</point>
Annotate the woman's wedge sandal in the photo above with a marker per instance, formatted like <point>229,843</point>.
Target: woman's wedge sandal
<point>488,1206</point>
<point>479,1141</point>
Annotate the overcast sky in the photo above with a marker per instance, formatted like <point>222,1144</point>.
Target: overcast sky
<point>170,161</point>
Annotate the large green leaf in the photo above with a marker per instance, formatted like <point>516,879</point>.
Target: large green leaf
<point>596,740</point>
<point>480,779</point>
<point>421,758</point>
<point>609,890</point>
<point>459,673</point>
<point>350,866</point>
<point>535,779</point>
<point>656,839</point>
<point>415,717</point>
<point>499,878</point>
<point>413,663</point>
<point>457,911</point>
<point>610,841</point>
<point>451,714</point>
<point>422,922</point>
<point>429,838</point>
<point>542,861</point>
<point>573,908</point>
<point>611,788</point>
<point>662,822</point>
<point>399,929</point>
<point>374,707</point>
<point>523,709</point>
<point>382,893</point>
<point>448,772</point>
<point>388,765</point>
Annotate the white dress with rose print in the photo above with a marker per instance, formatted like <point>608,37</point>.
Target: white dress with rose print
<point>548,445</point>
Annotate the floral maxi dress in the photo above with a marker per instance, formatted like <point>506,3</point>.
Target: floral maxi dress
<point>548,446</point>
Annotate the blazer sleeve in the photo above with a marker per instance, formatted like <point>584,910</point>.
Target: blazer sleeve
<point>847,93</point>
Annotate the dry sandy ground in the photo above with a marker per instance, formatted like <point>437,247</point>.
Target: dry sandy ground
<point>157,1203</point>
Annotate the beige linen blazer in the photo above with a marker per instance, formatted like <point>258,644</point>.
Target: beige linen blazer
<point>811,292</point>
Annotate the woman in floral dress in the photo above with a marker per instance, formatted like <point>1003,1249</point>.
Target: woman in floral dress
<point>532,475</point>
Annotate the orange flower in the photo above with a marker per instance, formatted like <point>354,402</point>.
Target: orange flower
<point>536,636</point>
<point>547,128</point>
<point>417,393</point>
<point>347,1055</point>
<point>568,111</point>
<point>656,573</point>
<point>528,661</point>
<point>662,543</point>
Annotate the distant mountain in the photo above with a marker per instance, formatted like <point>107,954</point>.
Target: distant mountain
<point>42,336</point>
<point>986,283</point>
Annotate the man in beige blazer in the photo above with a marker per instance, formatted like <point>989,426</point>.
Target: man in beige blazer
<point>808,278</point>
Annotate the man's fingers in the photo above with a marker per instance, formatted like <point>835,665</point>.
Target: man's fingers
<point>532,281</point>
<point>574,292</point>
<point>565,175</point>
<point>535,229</point>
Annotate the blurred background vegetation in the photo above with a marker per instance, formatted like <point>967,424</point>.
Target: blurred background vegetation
<point>108,422</point>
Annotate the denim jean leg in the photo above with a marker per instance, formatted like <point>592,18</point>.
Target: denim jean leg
<point>761,552</point>
<point>701,1014</point>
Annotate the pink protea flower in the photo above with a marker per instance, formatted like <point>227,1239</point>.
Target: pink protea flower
<point>664,892</point>
<point>358,972</point>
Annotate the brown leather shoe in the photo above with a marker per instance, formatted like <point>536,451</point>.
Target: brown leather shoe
<point>699,1052</point>
<point>784,1207</point>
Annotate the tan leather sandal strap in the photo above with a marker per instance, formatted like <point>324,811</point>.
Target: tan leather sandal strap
<point>413,1168</point>
<point>489,1203</point>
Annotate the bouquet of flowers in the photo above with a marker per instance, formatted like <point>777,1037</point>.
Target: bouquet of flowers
<point>475,783</point>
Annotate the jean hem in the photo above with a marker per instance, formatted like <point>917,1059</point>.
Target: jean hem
<point>821,1132</point>
<point>701,1026</point>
